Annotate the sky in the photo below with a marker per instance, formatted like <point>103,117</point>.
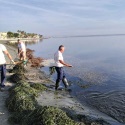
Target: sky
<point>63,17</point>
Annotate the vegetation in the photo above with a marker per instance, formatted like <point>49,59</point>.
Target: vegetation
<point>10,34</point>
<point>38,86</point>
<point>22,34</point>
<point>52,70</point>
<point>19,68</point>
<point>48,115</point>
<point>25,108</point>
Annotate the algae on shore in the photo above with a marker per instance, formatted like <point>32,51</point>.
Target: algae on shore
<point>25,108</point>
<point>21,98</point>
<point>19,68</point>
<point>38,86</point>
<point>48,115</point>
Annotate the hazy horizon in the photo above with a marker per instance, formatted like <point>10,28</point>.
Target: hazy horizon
<point>53,17</point>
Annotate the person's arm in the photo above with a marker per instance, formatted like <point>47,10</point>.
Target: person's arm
<point>9,56</point>
<point>65,64</point>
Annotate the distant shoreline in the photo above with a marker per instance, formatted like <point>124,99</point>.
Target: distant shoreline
<point>15,39</point>
<point>91,35</point>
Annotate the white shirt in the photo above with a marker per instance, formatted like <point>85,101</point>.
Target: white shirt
<point>22,46</point>
<point>2,57</point>
<point>58,56</point>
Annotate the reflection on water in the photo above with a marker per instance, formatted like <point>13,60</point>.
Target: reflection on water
<point>35,41</point>
<point>99,65</point>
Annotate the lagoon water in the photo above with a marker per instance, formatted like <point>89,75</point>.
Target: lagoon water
<point>98,74</point>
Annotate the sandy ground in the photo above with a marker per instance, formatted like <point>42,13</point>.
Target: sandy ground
<point>4,114</point>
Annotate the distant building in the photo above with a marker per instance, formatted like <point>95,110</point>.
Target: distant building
<point>3,35</point>
<point>36,36</point>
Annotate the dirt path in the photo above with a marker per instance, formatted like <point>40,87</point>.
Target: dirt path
<point>4,114</point>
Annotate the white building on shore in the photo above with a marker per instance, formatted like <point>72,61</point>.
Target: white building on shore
<point>3,35</point>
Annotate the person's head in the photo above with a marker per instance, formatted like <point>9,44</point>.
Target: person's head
<point>18,40</point>
<point>61,48</point>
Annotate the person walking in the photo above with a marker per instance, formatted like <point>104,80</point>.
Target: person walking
<point>3,51</point>
<point>59,64</point>
<point>21,50</point>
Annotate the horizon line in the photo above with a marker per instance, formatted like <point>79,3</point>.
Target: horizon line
<point>92,35</point>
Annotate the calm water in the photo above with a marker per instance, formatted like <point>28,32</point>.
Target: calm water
<point>98,73</point>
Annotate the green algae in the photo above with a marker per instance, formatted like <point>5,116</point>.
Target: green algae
<point>20,102</point>
<point>24,106</point>
<point>15,78</point>
<point>17,117</point>
<point>38,86</point>
<point>22,97</point>
<point>52,70</point>
<point>48,115</point>
<point>24,87</point>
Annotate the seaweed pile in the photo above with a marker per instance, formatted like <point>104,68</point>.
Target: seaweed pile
<point>35,61</point>
<point>18,68</point>
<point>19,73</point>
<point>48,115</point>
<point>25,109</point>
<point>52,70</point>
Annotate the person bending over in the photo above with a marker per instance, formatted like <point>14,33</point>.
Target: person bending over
<point>21,50</point>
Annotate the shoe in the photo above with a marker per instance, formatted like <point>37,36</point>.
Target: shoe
<point>57,84</point>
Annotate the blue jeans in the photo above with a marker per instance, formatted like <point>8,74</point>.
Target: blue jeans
<point>3,74</point>
<point>60,73</point>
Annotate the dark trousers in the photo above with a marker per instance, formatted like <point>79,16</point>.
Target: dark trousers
<point>60,73</point>
<point>3,74</point>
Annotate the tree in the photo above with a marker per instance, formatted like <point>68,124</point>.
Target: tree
<point>10,34</point>
<point>16,35</point>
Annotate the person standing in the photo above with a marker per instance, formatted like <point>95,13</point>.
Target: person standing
<point>21,50</point>
<point>59,62</point>
<point>3,51</point>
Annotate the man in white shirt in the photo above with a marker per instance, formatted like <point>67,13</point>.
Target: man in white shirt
<point>59,64</point>
<point>3,51</point>
<point>21,50</point>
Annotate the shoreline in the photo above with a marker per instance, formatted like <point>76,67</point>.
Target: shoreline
<point>86,109</point>
<point>24,39</point>
<point>15,39</point>
<point>61,99</point>
<point>28,40</point>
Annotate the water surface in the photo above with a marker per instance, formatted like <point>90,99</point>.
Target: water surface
<point>98,73</point>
